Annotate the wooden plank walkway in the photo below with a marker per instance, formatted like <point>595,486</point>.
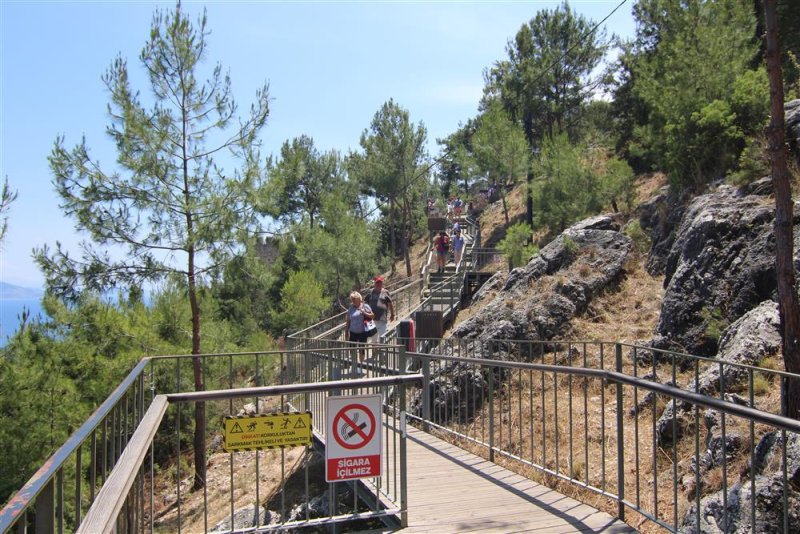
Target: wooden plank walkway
<point>452,490</point>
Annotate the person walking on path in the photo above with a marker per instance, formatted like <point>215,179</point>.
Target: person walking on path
<point>442,245</point>
<point>357,314</point>
<point>380,302</point>
<point>458,246</point>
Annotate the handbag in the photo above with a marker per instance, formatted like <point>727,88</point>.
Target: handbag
<point>369,327</point>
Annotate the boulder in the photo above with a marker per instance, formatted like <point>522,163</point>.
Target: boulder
<point>457,390</point>
<point>672,422</point>
<point>767,499</point>
<point>717,446</point>
<point>747,341</point>
<point>247,518</point>
<point>720,266</point>
<point>537,301</point>
<point>492,284</point>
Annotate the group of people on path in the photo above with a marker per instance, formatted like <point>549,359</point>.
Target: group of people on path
<point>371,311</point>
<point>373,308</point>
<point>456,207</point>
<point>444,243</point>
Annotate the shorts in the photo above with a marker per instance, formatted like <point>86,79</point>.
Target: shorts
<point>441,252</point>
<point>358,337</point>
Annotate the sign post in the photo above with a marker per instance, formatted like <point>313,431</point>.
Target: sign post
<point>353,437</point>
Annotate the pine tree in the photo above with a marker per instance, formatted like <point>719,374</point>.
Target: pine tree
<point>170,209</point>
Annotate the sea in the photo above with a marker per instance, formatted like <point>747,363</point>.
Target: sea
<point>11,314</point>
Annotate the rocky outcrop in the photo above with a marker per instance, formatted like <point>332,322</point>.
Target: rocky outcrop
<point>537,301</point>
<point>534,302</point>
<point>660,216</point>
<point>750,339</point>
<point>720,266</point>
<point>764,493</point>
<point>747,341</point>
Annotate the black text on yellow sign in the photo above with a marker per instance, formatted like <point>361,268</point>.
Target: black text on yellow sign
<point>267,431</point>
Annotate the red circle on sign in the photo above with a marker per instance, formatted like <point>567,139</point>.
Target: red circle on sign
<point>366,437</point>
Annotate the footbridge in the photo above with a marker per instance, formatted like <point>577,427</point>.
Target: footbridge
<point>477,436</point>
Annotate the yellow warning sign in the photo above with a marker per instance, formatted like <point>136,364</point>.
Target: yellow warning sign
<point>267,431</point>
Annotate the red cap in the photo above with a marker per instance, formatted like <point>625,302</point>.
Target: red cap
<point>378,279</point>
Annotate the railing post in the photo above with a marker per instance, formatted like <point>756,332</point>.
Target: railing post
<point>491,408</point>
<point>403,451</point>
<point>307,358</point>
<point>45,508</point>
<point>620,439</point>
<point>426,392</point>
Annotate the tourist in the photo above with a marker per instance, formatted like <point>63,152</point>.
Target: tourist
<point>380,302</point>
<point>357,314</point>
<point>442,245</point>
<point>458,246</point>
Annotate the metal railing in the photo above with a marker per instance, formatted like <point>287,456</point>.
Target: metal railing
<point>124,505</point>
<point>58,497</point>
<point>405,299</point>
<point>627,423</point>
<point>590,417</point>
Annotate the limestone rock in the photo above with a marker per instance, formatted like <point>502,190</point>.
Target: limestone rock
<point>720,266</point>
<point>747,341</point>
<point>767,499</point>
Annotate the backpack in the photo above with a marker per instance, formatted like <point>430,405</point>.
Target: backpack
<point>444,243</point>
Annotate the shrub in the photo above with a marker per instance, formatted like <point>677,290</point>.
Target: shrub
<point>637,234</point>
<point>516,246</point>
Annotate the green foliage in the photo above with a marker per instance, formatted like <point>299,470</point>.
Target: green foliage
<point>715,322</point>
<point>393,169</point>
<point>456,166</point>
<point>753,164</point>
<point>692,72</point>
<point>302,302</point>
<point>516,246</point>
<point>300,180</point>
<point>637,234</point>
<point>540,97</point>
<point>565,189</point>
<point>169,209</point>
<point>616,185</point>
<point>7,196</point>
<point>500,150</point>
<point>243,295</point>
<point>570,246</point>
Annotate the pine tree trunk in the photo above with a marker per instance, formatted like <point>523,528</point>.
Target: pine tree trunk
<point>784,215</point>
<point>199,441</point>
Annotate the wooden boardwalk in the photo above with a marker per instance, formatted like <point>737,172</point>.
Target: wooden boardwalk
<point>452,490</point>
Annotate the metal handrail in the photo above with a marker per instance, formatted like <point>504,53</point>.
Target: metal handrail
<point>758,416</point>
<point>103,514</point>
<point>21,500</point>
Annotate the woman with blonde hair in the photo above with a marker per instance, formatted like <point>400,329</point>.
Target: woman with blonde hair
<point>357,314</point>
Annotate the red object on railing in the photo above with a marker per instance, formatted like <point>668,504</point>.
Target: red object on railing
<point>407,334</point>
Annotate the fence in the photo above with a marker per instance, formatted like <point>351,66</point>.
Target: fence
<point>53,501</point>
<point>592,417</point>
<point>587,417</point>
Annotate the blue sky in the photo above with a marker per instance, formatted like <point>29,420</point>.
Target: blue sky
<point>330,66</point>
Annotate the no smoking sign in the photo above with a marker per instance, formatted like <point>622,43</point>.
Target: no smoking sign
<point>353,437</point>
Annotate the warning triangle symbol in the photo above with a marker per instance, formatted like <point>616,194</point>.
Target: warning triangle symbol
<point>300,423</point>
<point>236,428</point>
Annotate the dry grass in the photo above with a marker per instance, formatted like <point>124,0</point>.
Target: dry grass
<point>626,313</point>
<point>274,466</point>
<point>647,185</point>
<point>537,414</point>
